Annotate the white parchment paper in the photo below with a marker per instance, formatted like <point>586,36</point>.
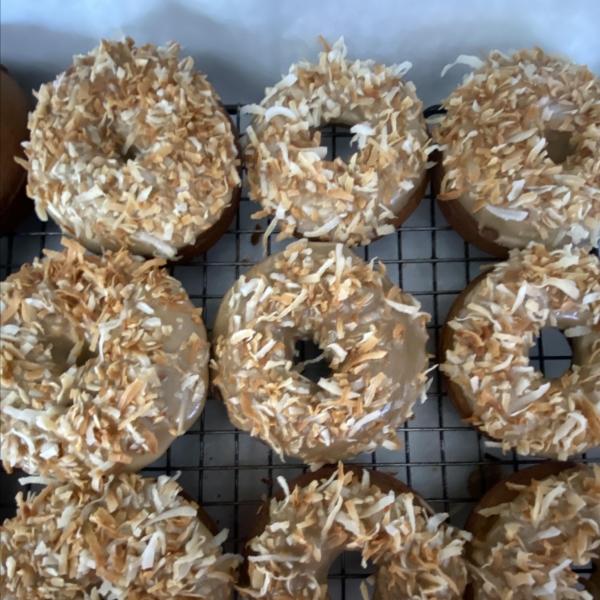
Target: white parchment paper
<point>245,45</point>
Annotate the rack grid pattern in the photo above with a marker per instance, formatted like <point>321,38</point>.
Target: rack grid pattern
<point>230,473</point>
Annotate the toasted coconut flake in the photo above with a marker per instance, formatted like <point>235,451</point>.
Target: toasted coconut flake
<point>551,525</point>
<point>508,214</point>
<point>498,136</point>
<point>464,59</point>
<point>419,557</point>
<point>90,382</point>
<point>510,400</point>
<point>123,140</point>
<point>139,539</point>
<point>324,293</point>
<point>354,202</point>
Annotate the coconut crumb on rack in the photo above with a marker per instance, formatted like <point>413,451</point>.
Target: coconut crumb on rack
<point>493,332</point>
<point>139,539</point>
<point>104,361</point>
<point>354,201</point>
<point>131,147</point>
<point>373,334</point>
<point>552,524</point>
<point>521,148</point>
<point>418,556</point>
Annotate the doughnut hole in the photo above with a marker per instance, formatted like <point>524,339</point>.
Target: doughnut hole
<point>311,361</point>
<point>63,347</point>
<point>85,355</point>
<point>347,573</point>
<point>130,153</point>
<point>336,138</point>
<point>551,353</point>
<point>559,145</point>
<point>125,149</point>
<point>125,144</point>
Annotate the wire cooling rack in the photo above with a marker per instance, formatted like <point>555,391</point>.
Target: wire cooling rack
<point>230,473</point>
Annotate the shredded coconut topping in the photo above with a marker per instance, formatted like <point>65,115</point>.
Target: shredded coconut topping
<point>373,333</point>
<point>137,540</point>
<point>131,147</point>
<point>104,360</point>
<point>351,202</point>
<point>521,147</point>
<point>493,331</point>
<point>528,552</point>
<point>418,557</point>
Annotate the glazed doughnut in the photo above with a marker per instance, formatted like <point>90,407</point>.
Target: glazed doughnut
<point>132,147</point>
<point>319,515</point>
<point>138,540</point>
<point>485,345</point>
<point>14,107</point>
<point>520,146</point>
<point>530,528</point>
<point>353,202</point>
<point>374,335</point>
<point>104,362</point>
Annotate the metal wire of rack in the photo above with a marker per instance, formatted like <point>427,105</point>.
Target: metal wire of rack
<point>230,473</point>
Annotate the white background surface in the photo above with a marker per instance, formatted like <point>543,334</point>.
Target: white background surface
<point>244,46</point>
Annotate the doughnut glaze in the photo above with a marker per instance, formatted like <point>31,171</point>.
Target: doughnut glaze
<point>485,345</point>
<point>314,518</point>
<point>139,539</point>
<point>374,335</point>
<point>355,201</point>
<point>531,529</point>
<point>133,148</point>
<point>104,363</point>
<point>520,147</point>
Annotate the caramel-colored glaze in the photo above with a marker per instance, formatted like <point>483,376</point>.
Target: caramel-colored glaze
<point>404,213</point>
<point>581,347</point>
<point>383,481</point>
<point>203,242</point>
<point>14,108</point>
<point>460,220</point>
<point>480,526</point>
<point>406,358</point>
<point>455,392</point>
<point>207,239</point>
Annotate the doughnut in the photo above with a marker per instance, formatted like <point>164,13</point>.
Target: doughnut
<point>485,343</point>
<point>140,539</point>
<point>131,147</point>
<point>520,146</point>
<point>374,335</point>
<point>529,530</point>
<point>14,107</point>
<point>104,362</point>
<point>353,202</point>
<point>317,516</point>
